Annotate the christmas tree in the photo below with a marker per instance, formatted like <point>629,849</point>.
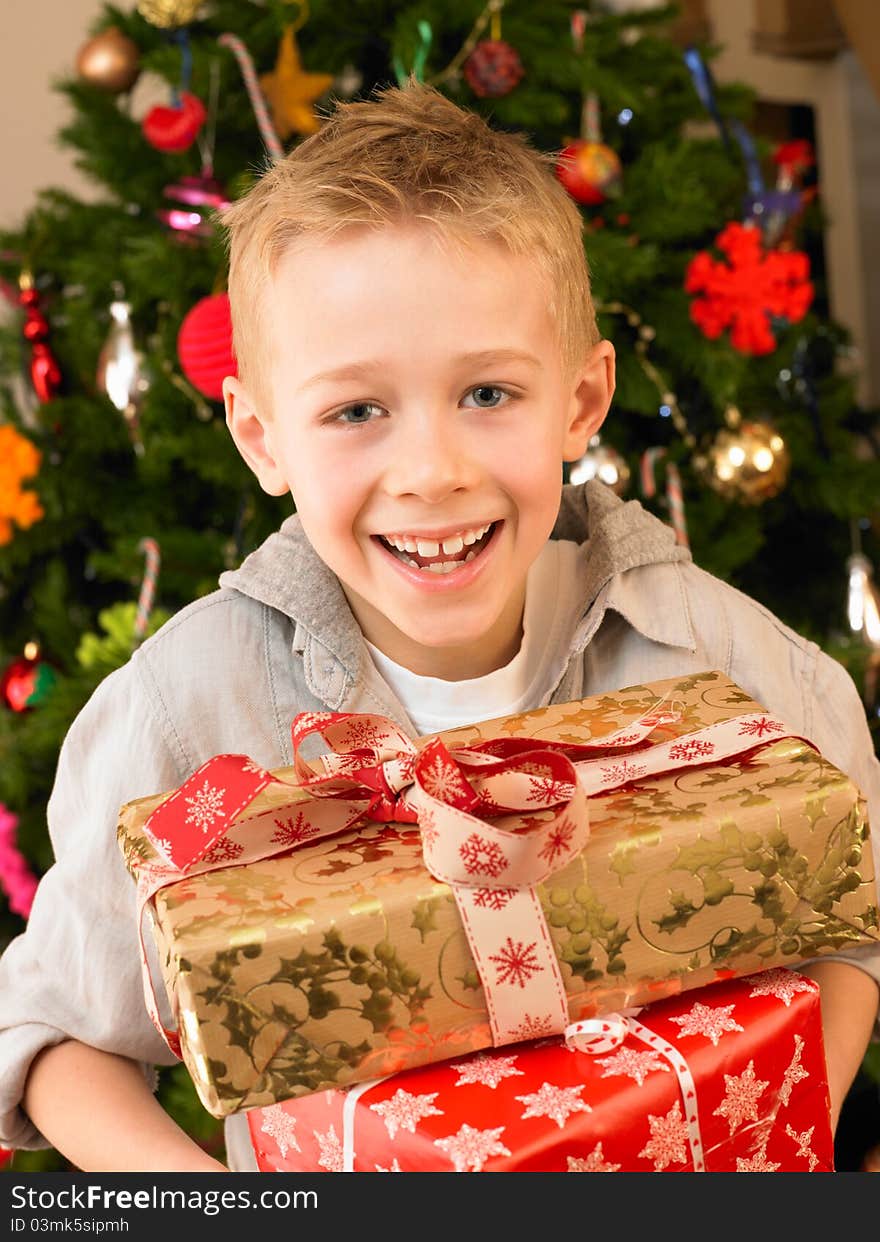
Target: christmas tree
<point>123,496</point>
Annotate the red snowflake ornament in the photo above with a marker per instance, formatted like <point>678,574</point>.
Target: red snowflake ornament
<point>796,156</point>
<point>751,287</point>
<point>493,68</point>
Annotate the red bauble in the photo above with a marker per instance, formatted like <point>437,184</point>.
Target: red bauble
<point>44,370</point>
<point>204,345</point>
<point>493,68</point>
<point>174,129</point>
<point>590,171</point>
<point>26,683</point>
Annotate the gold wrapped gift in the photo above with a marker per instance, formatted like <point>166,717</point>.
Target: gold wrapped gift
<point>344,959</point>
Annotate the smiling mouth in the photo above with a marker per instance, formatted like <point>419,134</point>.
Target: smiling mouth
<point>443,562</point>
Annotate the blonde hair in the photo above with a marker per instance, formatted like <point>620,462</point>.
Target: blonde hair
<point>410,153</point>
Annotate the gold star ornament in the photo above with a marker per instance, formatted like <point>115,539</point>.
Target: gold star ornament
<point>291,92</point>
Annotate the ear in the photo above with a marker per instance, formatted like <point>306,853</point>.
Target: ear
<point>593,388</point>
<point>251,433</point>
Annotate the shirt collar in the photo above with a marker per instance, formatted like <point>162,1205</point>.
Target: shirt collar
<point>287,574</point>
<point>620,538</point>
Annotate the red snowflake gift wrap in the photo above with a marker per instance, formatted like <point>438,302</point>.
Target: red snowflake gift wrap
<point>727,1078</point>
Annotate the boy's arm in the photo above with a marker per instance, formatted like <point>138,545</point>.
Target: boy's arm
<point>849,999</point>
<point>849,980</point>
<point>98,1111</point>
<point>73,978</point>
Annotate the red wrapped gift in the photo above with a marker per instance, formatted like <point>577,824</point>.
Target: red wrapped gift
<point>725,1078</point>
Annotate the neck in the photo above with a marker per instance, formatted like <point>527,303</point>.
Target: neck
<point>461,662</point>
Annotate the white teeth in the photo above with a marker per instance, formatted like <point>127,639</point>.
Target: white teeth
<point>439,567</point>
<point>471,536</point>
<point>429,547</point>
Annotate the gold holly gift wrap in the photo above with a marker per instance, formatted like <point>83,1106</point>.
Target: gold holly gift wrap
<point>344,959</point>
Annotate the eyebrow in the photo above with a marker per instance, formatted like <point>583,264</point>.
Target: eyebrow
<point>481,357</point>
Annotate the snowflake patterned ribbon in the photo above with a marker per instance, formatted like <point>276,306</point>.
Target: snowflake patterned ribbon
<point>375,772</point>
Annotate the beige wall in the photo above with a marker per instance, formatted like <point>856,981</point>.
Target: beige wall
<point>39,41</point>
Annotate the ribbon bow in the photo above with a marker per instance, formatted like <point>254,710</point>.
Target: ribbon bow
<point>375,772</point>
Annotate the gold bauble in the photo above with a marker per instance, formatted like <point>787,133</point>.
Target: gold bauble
<point>110,61</point>
<point>169,14</point>
<point>602,462</point>
<point>748,461</point>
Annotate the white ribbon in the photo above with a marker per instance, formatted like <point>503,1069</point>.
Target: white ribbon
<point>599,1035</point>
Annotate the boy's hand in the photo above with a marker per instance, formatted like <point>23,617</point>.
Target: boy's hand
<point>849,999</point>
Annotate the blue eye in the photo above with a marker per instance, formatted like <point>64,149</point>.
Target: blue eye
<point>355,410</point>
<point>490,388</point>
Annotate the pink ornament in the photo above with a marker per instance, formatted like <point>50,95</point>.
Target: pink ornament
<point>196,198</point>
<point>16,877</point>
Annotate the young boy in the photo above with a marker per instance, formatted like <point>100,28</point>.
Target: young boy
<point>418,355</point>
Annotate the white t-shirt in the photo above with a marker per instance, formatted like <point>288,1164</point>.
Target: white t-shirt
<point>553,607</point>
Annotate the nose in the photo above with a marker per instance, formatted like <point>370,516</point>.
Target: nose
<point>430,457</point>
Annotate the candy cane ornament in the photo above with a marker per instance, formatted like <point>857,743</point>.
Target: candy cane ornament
<point>258,101</point>
<point>674,493</point>
<point>150,548</point>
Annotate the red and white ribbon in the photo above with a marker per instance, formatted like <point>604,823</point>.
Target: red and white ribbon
<point>600,1035</point>
<point>376,772</point>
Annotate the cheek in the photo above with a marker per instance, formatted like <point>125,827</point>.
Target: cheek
<point>529,464</point>
<point>328,487</point>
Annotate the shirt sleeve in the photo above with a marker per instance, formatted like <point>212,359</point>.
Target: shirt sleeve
<point>75,972</point>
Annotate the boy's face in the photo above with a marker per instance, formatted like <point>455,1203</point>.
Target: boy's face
<point>419,442</point>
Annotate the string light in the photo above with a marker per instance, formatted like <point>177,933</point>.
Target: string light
<point>645,334</point>
<point>491,13</point>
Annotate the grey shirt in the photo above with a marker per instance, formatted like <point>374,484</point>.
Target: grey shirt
<point>228,674</point>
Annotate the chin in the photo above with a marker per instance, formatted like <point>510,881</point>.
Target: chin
<point>445,640</point>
